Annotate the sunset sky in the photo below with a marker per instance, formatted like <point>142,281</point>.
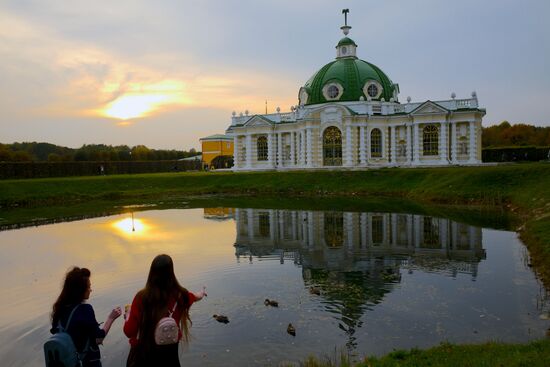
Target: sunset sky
<point>164,73</point>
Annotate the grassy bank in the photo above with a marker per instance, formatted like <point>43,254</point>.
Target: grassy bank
<point>534,354</point>
<point>525,185</point>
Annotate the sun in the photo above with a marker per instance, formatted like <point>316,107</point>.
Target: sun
<point>141,99</point>
<point>132,106</point>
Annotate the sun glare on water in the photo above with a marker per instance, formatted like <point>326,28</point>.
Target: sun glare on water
<point>130,226</point>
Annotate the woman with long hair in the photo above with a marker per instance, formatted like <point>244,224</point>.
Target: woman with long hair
<point>162,297</point>
<point>83,327</point>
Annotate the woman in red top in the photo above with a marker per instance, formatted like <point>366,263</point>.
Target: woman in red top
<point>151,304</point>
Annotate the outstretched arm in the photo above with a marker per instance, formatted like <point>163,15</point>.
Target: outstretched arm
<point>115,314</point>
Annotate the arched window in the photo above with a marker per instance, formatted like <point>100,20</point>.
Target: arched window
<point>332,147</point>
<point>376,143</point>
<point>262,148</point>
<point>462,145</point>
<point>402,149</point>
<point>334,229</point>
<point>430,139</point>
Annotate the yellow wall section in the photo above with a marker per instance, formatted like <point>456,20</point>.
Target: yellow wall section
<point>214,148</point>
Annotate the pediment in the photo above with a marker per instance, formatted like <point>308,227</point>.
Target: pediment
<point>429,108</point>
<point>258,121</point>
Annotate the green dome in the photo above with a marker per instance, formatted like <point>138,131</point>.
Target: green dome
<point>353,75</point>
<point>346,41</point>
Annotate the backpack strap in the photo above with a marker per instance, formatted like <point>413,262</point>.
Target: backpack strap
<point>173,308</point>
<point>82,354</point>
<point>68,320</point>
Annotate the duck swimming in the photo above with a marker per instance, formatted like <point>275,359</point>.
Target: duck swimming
<point>291,330</point>
<point>221,318</point>
<point>315,290</point>
<point>271,303</point>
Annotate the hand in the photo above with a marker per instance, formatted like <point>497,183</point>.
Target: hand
<point>115,313</point>
<point>127,311</point>
<point>204,291</point>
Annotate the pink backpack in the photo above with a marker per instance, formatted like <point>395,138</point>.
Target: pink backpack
<point>167,330</point>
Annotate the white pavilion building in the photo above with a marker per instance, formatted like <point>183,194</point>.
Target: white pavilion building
<point>349,117</point>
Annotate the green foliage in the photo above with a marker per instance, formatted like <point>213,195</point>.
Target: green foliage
<point>20,152</point>
<point>534,354</point>
<point>492,354</point>
<point>506,135</point>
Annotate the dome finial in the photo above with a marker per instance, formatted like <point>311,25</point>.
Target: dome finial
<point>345,28</point>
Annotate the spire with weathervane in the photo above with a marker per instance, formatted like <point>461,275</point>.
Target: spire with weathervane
<point>346,47</point>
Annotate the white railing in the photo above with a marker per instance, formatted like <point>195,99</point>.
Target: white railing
<point>362,107</point>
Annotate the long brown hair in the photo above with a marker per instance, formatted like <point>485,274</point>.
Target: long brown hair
<point>74,289</point>
<point>161,287</point>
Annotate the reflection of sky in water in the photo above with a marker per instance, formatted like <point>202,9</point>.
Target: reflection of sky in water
<point>373,297</point>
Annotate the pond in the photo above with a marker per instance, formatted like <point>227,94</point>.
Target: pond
<point>360,283</point>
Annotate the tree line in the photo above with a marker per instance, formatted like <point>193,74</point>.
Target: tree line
<point>46,152</point>
<point>517,135</point>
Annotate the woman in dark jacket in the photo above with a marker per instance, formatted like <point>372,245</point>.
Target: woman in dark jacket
<point>162,296</point>
<point>83,328</point>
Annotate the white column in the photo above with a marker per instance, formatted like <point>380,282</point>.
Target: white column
<point>236,155</point>
<point>248,150</point>
<point>443,142</point>
<point>270,151</point>
<point>292,149</point>
<point>302,148</point>
<point>453,130</point>
<point>362,148</point>
<point>279,149</point>
<point>416,148</point>
<point>309,146</point>
<point>408,145</point>
<point>368,143</point>
<point>473,148</point>
<point>348,161</point>
<point>392,144</point>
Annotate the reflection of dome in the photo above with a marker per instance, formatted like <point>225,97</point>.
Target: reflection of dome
<point>347,79</point>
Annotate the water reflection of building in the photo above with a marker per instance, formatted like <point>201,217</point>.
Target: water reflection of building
<point>353,259</point>
<point>219,213</point>
<point>343,240</point>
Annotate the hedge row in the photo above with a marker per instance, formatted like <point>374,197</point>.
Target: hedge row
<point>514,154</point>
<point>9,170</point>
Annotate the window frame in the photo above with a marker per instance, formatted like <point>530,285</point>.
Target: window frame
<point>262,148</point>
<point>376,144</point>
